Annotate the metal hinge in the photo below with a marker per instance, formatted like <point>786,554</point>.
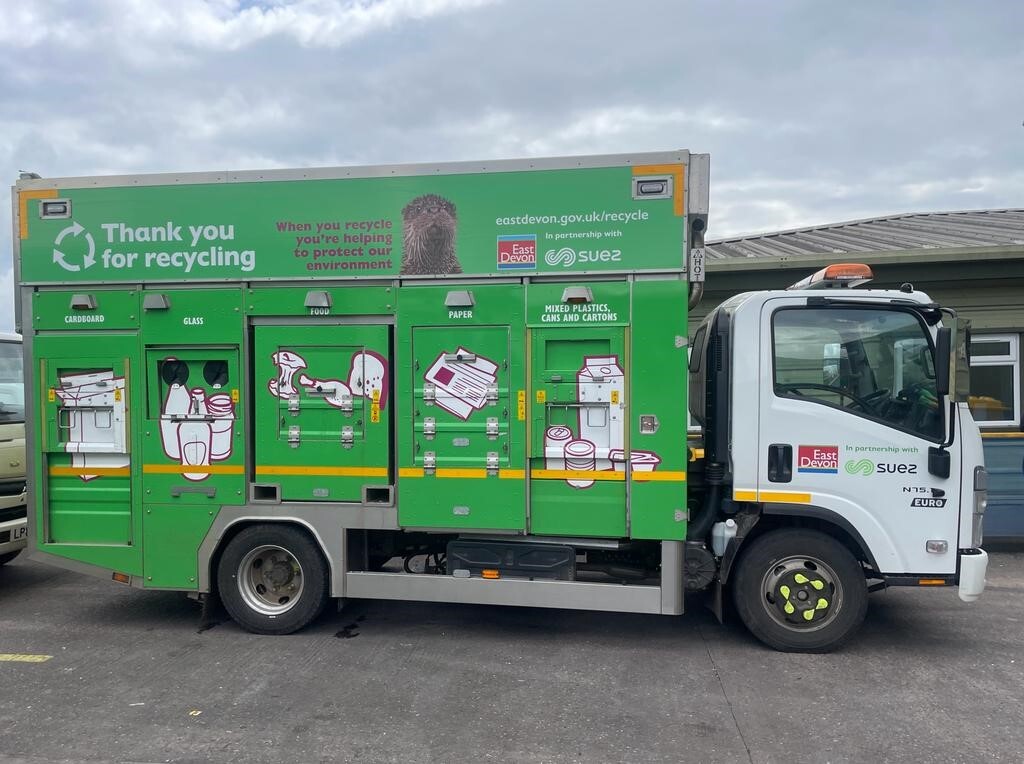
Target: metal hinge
<point>429,462</point>
<point>294,436</point>
<point>347,436</point>
<point>492,428</point>
<point>492,395</point>
<point>429,393</point>
<point>492,462</point>
<point>293,404</point>
<point>429,428</point>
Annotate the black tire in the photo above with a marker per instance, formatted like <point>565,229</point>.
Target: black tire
<point>781,582</point>
<point>6,558</point>
<point>273,579</point>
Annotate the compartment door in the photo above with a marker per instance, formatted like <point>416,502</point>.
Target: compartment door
<point>323,410</point>
<point>86,447</point>
<point>461,432</point>
<point>193,434</point>
<point>577,454</point>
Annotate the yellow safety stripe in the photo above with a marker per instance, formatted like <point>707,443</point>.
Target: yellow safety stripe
<point>577,475</point>
<point>179,469</point>
<point>666,476</point>
<point>464,473</point>
<point>786,497</point>
<point>98,471</point>
<point>302,469</point>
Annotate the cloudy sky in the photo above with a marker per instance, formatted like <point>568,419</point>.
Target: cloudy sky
<point>813,112</point>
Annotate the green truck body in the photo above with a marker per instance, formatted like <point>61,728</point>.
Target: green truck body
<point>465,349</point>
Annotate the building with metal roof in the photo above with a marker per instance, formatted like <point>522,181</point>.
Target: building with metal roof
<point>974,229</point>
<point>971,261</point>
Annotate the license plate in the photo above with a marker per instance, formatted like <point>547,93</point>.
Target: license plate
<point>17,534</point>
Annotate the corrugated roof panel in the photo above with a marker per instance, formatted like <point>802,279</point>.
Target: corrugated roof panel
<point>946,230</point>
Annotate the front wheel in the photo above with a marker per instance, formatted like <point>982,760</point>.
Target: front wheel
<point>272,579</point>
<point>800,591</point>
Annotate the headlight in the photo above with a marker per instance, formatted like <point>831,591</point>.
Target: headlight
<point>980,502</point>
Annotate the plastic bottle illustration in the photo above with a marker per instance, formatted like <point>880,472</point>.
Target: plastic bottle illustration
<point>196,429</point>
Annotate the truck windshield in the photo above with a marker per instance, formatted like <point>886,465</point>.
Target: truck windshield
<point>12,389</point>
<point>876,363</point>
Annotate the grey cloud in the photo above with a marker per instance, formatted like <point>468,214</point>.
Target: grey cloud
<point>813,113</point>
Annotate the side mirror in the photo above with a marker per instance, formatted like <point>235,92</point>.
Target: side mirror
<point>943,347</point>
<point>938,462</point>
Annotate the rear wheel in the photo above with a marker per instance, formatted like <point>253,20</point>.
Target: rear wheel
<point>800,591</point>
<point>272,579</point>
<point>6,558</point>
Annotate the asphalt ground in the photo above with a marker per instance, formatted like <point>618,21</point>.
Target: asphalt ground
<point>132,678</point>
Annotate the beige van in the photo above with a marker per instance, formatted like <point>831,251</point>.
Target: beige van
<point>13,530</point>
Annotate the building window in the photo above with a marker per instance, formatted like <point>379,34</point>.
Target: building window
<point>995,380</point>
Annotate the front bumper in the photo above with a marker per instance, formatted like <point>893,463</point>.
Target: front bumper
<point>13,535</point>
<point>973,564</point>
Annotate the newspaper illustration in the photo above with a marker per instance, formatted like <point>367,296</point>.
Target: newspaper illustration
<point>461,380</point>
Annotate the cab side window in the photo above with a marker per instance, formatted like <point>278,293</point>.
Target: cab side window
<point>872,362</point>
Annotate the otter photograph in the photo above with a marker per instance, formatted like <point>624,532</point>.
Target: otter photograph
<point>428,237</point>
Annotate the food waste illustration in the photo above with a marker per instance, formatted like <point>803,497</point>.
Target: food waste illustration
<point>598,444</point>
<point>196,425</point>
<point>92,420</point>
<point>367,378</point>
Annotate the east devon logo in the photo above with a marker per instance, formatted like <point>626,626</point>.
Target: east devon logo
<point>819,459</point>
<point>517,252</point>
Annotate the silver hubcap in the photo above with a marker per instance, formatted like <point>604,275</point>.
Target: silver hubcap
<point>270,580</point>
<point>802,593</point>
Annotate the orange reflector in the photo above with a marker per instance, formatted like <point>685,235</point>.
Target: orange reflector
<point>931,582</point>
<point>490,573</point>
<point>122,578</point>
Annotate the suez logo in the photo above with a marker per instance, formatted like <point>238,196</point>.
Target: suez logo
<point>868,467</point>
<point>568,257</point>
<point>517,252</point>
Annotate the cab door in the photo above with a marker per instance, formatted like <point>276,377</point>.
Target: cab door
<point>848,413</point>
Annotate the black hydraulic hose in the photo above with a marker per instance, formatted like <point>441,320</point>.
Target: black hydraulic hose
<point>700,527</point>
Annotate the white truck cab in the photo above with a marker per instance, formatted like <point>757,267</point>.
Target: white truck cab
<point>13,530</point>
<point>844,458</point>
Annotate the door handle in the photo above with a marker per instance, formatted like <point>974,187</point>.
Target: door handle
<point>178,490</point>
<point>780,463</point>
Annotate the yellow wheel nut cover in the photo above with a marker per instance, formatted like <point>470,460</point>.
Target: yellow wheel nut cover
<point>788,607</point>
<point>808,615</point>
<point>784,591</point>
<point>818,584</point>
<point>822,604</point>
<point>800,578</point>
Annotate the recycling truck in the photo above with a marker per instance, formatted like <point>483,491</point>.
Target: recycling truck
<point>469,383</point>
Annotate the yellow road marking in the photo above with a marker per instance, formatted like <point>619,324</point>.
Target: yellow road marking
<point>24,658</point>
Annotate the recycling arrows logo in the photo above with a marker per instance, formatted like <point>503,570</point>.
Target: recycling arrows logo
<point>60,258</point>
